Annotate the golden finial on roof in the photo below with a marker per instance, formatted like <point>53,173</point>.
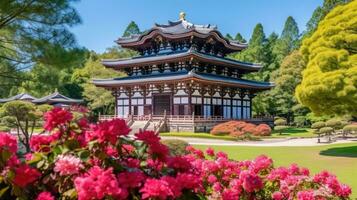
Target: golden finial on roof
<point>182,16</point>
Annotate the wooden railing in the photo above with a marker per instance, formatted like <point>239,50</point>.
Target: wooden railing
<point>184,118</point>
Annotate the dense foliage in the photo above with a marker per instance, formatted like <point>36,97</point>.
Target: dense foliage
<point>99,161</point>
<point>329,84</point>
<point>240,128</point>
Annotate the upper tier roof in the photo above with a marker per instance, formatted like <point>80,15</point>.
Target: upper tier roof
<point>181,76</point>
<point>180,30</point>
<point>166,57</point>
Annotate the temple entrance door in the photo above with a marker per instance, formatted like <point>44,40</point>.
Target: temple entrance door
<point>162,103</point>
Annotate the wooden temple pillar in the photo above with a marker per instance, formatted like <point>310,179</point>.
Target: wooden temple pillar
<point>241,95</point>
<point>115,94</point>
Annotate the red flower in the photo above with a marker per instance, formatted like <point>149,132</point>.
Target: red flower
<point>109,131</point>
<point>45,196</point>
<point>25,175</point>
<point>8,142</point>
<point>156,189</point>
<point>159,151</point>
<point>179,163</point>
<point>57,116</point>
<point>149,137</point>
<point>42,142</point>
<point>131,179</point>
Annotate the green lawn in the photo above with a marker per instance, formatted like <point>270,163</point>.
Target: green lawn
<point>294,132</point>
<point>290,132</point>
<point>198,135</point>
<point>340,159</point>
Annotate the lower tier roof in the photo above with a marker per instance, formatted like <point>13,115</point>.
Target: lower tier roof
<point>182,76</point>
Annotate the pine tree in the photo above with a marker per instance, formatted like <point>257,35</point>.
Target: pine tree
<point>320,12</point>
<point>240,38</point>
<point>288,40</point>
<point>228,36</point>
<point>131,29</point>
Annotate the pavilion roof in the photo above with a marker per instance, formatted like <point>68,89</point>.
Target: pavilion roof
<point>181,76</point>
<point>56,97</point>
<point>145,60</point>
<point>22,96</point>
<point>180,29</point>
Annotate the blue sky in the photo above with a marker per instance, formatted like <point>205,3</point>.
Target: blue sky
<point>105,20</point>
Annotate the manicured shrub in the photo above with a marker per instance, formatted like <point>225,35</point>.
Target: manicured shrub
<point>326,130</point>
<point>318,125</point>
<point>334,123</point>
<point>83,161</point>
<point>176,147</point>
<point>351,128</point>
<point>280,129</point>
<point>280,122</point>
<point>263,130</point>
<point>240,128</point>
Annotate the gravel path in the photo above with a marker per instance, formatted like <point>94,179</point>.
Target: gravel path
<point>265,142</point>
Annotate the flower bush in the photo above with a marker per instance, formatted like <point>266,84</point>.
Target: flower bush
<point>240,128</point>
<point>100,161</point>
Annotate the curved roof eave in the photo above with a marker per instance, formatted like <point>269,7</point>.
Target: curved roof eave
<point>153,59</point>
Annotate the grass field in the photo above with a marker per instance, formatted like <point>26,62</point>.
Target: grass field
<point>340,159</point>
<point>290,132</point>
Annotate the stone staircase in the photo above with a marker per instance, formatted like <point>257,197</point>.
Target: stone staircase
<point>136,126</point>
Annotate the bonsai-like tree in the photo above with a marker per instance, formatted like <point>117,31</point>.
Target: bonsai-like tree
<point>280,125</point>
<point>327,131</point>
<point>316,128</point>
<point>24,116</point>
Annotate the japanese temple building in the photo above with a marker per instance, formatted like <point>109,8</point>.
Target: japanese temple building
<point>55,99</point>
<point>182,72</point>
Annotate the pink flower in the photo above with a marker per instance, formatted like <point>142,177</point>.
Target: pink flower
<point>8,142</point>
<point>98,183</point>
<point>45,196</point>
<point>149,137</point>
<point>109,131</point>
<point>211,179</point>
<point>57,116</point>
<point>156,189</point>
<point>277,195</point>
<point>25,175</point>
<point>251,182</point>
<point>68,165</point>
<point>305,195</point>
<point>230,194</point>
<point>261,163</point>
<point>210,152</point>
<point>131,179</point>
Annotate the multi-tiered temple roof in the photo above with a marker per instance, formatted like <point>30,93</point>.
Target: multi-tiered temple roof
<point>182,70</point>
<point>182,50</point>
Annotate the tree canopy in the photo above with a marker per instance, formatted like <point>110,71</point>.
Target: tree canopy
<point>131,29</point>
<point>329,84</point>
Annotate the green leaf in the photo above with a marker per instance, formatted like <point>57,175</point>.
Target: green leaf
<point>36,157</point>
<point>84,155</point>
<point>5,155</point>
<point>72,193</point>
<point>3,190</point>
<point>72,144</point>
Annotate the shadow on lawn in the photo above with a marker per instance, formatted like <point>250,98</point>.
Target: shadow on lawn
<point>341,152</point>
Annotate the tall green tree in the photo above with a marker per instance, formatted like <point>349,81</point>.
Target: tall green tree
<point>286,79</point>
<point>131,29</point>
<point>240,38</point>
<point>99,100</point>
<point>36,31</point>
<point>228,36</point>
<point>288,40</point>
<point>329,84</point>
<point>320,12</point>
